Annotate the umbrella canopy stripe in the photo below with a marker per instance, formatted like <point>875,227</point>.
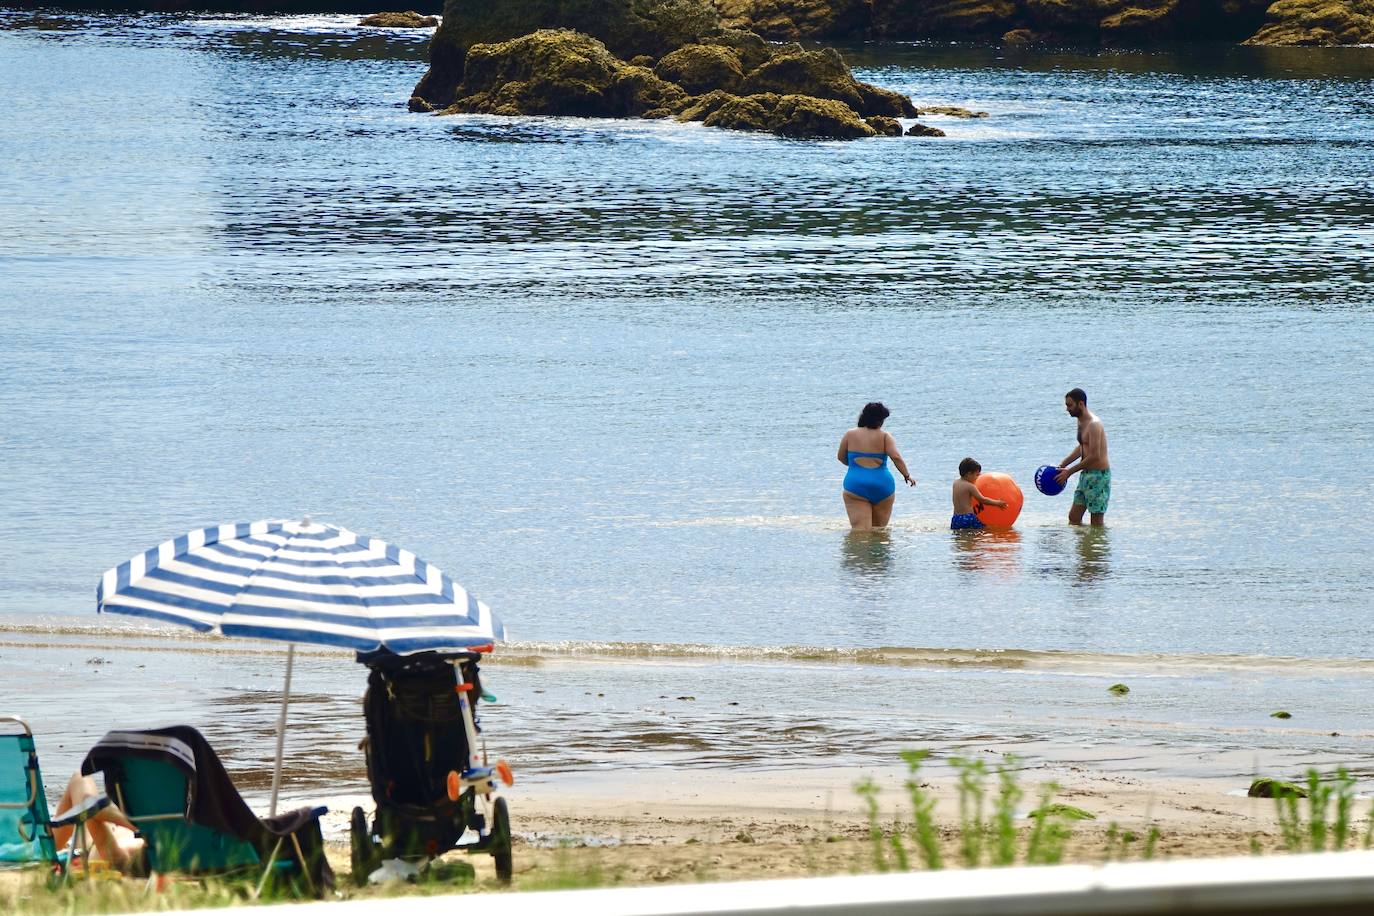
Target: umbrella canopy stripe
<point>324,582</point>
<point>298,581</point>
<point>223,554</point>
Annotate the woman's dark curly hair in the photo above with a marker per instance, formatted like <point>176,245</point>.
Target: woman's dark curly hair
<point>873,415</point>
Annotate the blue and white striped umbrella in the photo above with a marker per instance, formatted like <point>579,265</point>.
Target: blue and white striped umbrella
<point>300,582</point>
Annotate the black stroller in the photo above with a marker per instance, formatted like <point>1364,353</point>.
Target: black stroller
<point>429,775</point>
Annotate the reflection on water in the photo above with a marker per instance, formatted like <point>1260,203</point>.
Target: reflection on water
<point>1094,553</point>
<point>867,554</point>
<point>995,550</point>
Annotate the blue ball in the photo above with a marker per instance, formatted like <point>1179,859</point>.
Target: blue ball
<point>1045,482</point>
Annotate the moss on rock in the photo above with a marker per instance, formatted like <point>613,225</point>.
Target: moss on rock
<point>558,72</point>
<point>1068,812</point>
<point>1317,22</point>
<point>753,112</point>
<point>923,130</point>
<point>788,20</point>
<point>1267,787</point>
<point>751,50</point>
<point>702,68</point>
<point>823,74</point>
<point>700,108</point>
<point>407,20</point>
<point>807,117</point>
<point>884,126</point>
<point>953,111</point>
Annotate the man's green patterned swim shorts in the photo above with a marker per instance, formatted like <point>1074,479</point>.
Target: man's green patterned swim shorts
<point>1094,490</point>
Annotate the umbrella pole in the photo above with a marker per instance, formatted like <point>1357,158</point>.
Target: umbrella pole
<point>281,727</point>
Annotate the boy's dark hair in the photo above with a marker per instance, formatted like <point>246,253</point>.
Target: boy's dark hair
<point>873,415</point>
<point>968,464</point>
<point>1079,395</point>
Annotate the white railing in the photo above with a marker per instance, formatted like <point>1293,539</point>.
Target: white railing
<point>1326,883</point>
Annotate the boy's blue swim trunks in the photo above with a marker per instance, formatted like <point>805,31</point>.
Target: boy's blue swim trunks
<point>1094,490</point>
<point>967,520</point>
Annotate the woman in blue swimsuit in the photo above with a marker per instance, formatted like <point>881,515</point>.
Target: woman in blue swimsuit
<point>869,490</point>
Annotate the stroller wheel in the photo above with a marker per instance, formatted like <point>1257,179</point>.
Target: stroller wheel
<point>500,840</point>
<point>360,839</point>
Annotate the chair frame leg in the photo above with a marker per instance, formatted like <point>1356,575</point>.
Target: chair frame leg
<point>267,869</point>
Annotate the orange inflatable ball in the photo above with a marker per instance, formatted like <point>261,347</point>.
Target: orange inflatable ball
<point>998,486</point>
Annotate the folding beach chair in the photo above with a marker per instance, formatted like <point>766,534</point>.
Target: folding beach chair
<point>171,785</point>
<point>26,830</point>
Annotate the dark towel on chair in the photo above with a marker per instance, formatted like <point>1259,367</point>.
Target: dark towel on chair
<point>214,801</point>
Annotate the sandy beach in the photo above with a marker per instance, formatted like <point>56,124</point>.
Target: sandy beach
<point>644,828</point>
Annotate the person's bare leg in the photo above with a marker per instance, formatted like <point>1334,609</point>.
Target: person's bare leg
<point>1098,519</point>
<point>98,828</point>
<point>860,512</point>
<point>882,512</point>
<point>1076,513</point>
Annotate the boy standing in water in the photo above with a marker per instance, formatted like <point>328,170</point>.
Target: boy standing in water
<point>1093,470</point>
<point>965,492</point>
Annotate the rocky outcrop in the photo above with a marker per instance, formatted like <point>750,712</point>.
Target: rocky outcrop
<point>626,27</point>
<point>1113,22</point>
<point>562,72</point>
<point>789,20</point>
<point>953,111</point>
<point>700,68</point>
<point>922,130</point>
<point>822,74</point>
<point>722,77</point>
<point>1317,22</point>
<point>407,20</point>
<point>558,72</point>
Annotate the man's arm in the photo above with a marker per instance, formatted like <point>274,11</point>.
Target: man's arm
<point>1087,453</point>
<point>1077,451</point>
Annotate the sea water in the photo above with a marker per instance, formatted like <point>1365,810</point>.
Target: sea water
<point>598,370</point>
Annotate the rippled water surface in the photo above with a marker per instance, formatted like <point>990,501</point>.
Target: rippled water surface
<point>597,370</point>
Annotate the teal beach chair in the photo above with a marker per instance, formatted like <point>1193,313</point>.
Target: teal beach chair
<point>26,830</point>
<point>171,785</point>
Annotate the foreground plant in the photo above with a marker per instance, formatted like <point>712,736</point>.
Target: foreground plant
<point>1322,830</point>
<point>985,837</point>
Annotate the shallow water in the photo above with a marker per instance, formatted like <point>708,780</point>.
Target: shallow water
<point>597,370</point>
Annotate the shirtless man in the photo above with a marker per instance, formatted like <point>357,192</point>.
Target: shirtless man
<point>1093,470</point>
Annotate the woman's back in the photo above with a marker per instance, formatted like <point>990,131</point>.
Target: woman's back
<point>871,442</point>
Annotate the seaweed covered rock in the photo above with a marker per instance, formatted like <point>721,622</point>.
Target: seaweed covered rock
<point>702,107</point>
<point>953,111</point>
<point>822,74</point>
<point>407,20</point>
<point>944,18</point>
<point>754,112</point>
<point>923,130</point>
<point>1317,22</point>
<point>558,72</point>
<point>807,117</point>
<point>688,67</point>
<point>702,68</point>
<point>1268,787</point>
<point>799,116</point>
<point>751,50</point>
<point>1120,22</point>
<point>626,27</point>
<point>884,126</point>
<point>788,20</point>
